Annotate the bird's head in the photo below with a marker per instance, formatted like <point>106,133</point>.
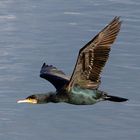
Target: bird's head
<point>36,99</point>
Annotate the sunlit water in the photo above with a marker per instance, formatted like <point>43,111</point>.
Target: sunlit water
<point>33,32</point>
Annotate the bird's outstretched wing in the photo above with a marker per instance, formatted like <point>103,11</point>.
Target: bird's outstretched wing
<point>54,76</point>
<point>93,56</point>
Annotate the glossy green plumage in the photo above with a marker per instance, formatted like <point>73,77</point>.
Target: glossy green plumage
<point>81,96</point>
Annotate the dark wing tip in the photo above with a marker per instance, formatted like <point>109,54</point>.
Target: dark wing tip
<point>51,70</point>
<point>43,65</point>
<point>116,18</point>
<point>46,65</point>
<point>116,21</point>
<point>47,68</point>
<point>53,75</point>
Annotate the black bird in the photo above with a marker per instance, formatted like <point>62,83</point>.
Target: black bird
<point>82,87</point>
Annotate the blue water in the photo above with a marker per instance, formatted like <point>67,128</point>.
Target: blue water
<point>52,31</point>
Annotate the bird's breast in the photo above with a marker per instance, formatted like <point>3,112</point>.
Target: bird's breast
<point>80,96</point>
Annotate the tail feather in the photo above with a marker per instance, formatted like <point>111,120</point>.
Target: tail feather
<point>115,98</point>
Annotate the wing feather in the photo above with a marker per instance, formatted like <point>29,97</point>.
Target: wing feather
<point>54,76</point>
<point>93,56</point>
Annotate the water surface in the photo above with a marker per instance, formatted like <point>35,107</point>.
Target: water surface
<point>33,32</point>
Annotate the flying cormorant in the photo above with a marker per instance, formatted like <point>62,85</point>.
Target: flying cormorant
<point>82,87</point>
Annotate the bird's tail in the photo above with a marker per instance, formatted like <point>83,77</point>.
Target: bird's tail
<point>114,98</point>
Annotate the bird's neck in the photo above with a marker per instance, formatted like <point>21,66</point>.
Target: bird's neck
<point>56,98</point>
<point>46,97</point>
<point>52,97</point>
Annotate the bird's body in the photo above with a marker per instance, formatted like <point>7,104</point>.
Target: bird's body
<point>81,96</point>
<point>82,87</point>
<point>77,96</point>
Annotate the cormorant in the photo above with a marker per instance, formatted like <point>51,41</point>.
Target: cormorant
<point>82,87</point>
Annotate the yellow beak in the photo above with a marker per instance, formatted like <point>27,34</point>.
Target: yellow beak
<point>30,101</point>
